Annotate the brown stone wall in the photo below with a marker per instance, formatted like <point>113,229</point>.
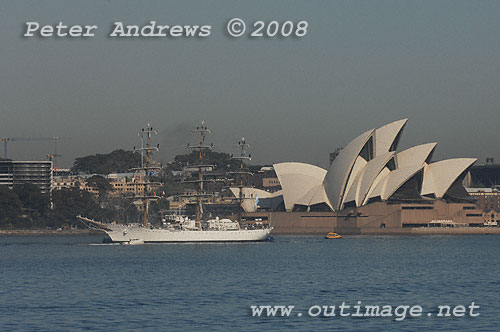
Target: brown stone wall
<point>375,218</point>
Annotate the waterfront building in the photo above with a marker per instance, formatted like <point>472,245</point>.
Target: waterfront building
<point>65,182</point>
<point>123,184</point>
<point>273,183</point>
<point>491,218</point>
<point>487,198</point>
<point>127,184</point>
<point>38,173</point>
<point>61,171</point>
<point>370,185</point>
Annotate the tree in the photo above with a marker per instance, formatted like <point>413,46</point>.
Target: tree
<point>10,207</point>
<point>118,161</point>
<point>68,203</point>
<point>156,208</point>
<point>100,183</point>
<point>33,199</point>
<point>171,185</point>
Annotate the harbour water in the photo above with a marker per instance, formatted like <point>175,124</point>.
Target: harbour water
<point>74,283</point>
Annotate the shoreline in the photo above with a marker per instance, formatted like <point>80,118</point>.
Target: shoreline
<point>396,232</point>
<point>50,232</point>
<point>401,231</point>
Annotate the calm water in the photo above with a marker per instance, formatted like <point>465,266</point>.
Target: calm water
<point>74,283</point>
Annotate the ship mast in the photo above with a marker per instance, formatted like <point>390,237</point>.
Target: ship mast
<point>242,144</point>
<point>201,148</point>
<point>147,168</point>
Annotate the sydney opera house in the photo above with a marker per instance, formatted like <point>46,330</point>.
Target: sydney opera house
<point>369,187</point>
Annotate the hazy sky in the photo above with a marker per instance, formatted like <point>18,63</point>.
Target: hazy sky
<point>362,64</point>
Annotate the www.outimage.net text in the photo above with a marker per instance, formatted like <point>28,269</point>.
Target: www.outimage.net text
<point>359,310</point>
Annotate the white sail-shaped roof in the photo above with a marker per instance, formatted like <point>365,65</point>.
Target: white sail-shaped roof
<point>250,192</point>
<point>380,178</point>
<point>357,169</point>
<point>250,196</point>
<point>393,181</point>
<point>297,179</point>
<point>366,177</point>
<point>368,168</point>
<point>314,196</point>
<point>371,171</point>
<point>416,155</point>
<point>439,176</point>
<point>387,136</point>
<point>409,162</point>
<point>276,194</point>
<point>341,169</point>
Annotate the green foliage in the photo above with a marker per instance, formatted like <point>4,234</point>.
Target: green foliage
<point>26,207</point>
<point>32,199</point>
<point>23,207</point>
<point>160,204</point>
<point>118,161</point>
<point>171,185</point>
<point>68,203</point>
<point>10,207</point>
<point>100,183</point>
<point>155,209</point>
<point>125,211</point>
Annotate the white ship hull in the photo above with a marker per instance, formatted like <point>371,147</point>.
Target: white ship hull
<point>129,234</point>
<point>135,234</point>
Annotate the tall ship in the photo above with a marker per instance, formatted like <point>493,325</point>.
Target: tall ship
<point>182,228</point>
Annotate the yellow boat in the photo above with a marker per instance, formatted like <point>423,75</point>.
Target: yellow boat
<point>333,235</point>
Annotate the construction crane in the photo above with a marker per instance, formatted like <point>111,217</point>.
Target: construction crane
<point>52,156</point>
<point>5,140</point>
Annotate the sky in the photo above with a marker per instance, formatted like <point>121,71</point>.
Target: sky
<point>361,64</point>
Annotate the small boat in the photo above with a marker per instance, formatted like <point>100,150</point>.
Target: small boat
<point>333,235</point>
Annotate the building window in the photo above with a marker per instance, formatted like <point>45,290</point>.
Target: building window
<point>417,208</point>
